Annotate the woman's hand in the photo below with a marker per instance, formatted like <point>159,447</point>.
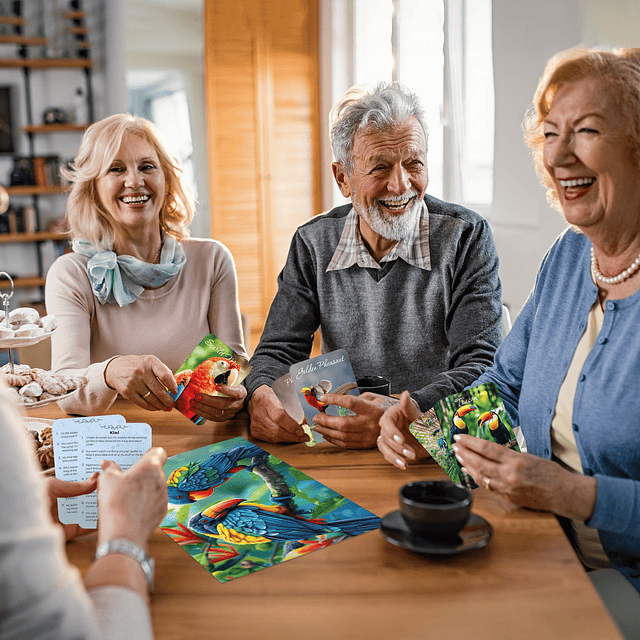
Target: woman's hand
<point>219,408</point>
<point>142,379</point>
<point>131,504</point>
<point>525,479</point>
<point>396,443</point>
<point>57,488</point>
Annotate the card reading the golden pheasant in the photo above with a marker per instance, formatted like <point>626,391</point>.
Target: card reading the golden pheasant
<point>478,411</point>
<point>210,364</point>
<point>329,373</point>
<point>236,509</point>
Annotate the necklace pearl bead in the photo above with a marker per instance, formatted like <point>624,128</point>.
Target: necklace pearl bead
<point>621,277</point>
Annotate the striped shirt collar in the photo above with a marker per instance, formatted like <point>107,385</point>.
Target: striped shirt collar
<point>414,249</point>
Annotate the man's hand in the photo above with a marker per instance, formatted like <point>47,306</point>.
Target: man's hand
<point>353,432</point>
<point>57,488</point>
<point>269,421</point>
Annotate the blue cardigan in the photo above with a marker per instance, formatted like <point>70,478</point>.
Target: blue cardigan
<point>531,364</point>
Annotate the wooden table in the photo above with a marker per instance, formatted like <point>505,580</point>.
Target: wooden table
<point>526,583</point>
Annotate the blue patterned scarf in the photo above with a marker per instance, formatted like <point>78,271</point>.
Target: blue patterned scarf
<point>121,279</point>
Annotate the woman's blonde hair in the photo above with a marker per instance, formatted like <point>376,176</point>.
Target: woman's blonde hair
<point>86,215</point>
<point>617,69</point>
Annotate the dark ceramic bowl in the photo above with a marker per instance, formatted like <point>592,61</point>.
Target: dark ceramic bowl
<point>374,384</point>
<point>435,508</point>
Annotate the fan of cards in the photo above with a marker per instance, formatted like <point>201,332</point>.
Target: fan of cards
<point>25,327</point>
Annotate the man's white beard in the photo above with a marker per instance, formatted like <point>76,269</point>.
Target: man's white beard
<point>389,226</point>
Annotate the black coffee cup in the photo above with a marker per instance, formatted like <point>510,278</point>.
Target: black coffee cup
<point>435,508</point>
<point>374,384</point>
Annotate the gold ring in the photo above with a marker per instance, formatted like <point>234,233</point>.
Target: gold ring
<point>486,483</point>
<point>146,394</point>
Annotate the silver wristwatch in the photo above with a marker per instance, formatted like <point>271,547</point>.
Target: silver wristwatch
<point>128,548</point>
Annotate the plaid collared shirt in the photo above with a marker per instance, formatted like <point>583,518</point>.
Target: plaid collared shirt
<point>414,249</point>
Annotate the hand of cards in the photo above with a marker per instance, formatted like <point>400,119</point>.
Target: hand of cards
<point>478,411</point>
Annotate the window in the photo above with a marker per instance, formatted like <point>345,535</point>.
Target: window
<point>441,50</point>
<point>162,98</point>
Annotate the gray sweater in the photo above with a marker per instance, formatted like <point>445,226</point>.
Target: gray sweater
<point>431,332</point>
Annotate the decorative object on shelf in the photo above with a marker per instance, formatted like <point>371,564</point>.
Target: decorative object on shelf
<point>55,115</point>
<point>22,173</point>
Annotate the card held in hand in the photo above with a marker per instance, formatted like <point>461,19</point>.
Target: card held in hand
<point>478,412</point>
<point>210,364</point>
<point>328,373</point>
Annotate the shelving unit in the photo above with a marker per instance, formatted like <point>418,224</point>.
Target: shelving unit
<point>28,64</point>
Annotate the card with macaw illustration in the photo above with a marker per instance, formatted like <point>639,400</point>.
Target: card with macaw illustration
<point>236,509</point>
<point>479,412</point>
<point>210,364</point>
<point>329,373</point>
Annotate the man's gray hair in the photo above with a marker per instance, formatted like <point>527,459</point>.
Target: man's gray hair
<point>387,104</point>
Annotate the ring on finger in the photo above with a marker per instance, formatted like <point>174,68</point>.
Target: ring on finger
<point>144,397</point>
<point>220,412</point>
<point>486,483</point>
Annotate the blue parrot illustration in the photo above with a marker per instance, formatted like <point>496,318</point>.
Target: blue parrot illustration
<point>239,522</point>
<point>498,431</point>
<point>197,480</point>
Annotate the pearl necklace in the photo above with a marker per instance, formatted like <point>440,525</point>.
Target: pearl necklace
<point>621,277</point>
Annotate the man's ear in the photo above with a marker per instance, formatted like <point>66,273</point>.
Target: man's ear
<point>342,179</point>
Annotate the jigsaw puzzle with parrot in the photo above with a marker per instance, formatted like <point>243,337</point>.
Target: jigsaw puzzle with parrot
<point>236,509</point>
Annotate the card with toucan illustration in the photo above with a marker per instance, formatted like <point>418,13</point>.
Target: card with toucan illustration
<point>329,373</point>
<point>210,364</point>
<point>479,412</point>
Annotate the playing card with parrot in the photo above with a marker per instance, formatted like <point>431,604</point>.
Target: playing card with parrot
<point>210,364</point>
<point>478,411</point>
<point>236,509</point>
<point>328,373</point>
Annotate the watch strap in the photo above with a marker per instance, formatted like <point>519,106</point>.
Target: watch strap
<point>131,549</point>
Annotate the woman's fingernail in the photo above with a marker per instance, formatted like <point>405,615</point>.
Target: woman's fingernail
<point>397,438</point>
<point>460,460</point>
<point>455,447</point>
<point>407,453</point>
<point>401,463</point>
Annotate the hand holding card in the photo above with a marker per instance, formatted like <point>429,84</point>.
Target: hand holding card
<point>328,373</point>
<point>211,364</point>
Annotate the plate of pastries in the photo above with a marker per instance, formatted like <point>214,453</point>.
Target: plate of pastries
<point>25,327</point>
<point>36,387</point>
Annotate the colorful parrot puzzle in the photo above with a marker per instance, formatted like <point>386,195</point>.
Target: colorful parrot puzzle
<point>236,509</point>
<point>210,364</point>
<point>478,411</point>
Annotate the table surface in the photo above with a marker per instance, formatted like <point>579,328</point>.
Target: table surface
<point>526,583</point>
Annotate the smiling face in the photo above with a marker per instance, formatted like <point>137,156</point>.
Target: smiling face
<point>388,179</point>
<point>591,161</point>
<point>133,189</point>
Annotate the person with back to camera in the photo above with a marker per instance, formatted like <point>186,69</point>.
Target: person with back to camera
<point>137,294</point>
<point>568,371</point>
<point>42,594</point>
<point>407,284</point>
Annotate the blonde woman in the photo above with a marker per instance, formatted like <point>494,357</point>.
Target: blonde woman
<point>136,295</point>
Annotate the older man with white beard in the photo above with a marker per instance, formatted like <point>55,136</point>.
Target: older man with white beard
<point>407,284</point>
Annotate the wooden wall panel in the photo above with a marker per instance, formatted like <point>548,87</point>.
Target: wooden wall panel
<point>261,75</point>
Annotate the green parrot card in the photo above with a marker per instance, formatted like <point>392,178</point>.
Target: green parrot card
<point>236,509</point>
<point>210,364</point>
<point>479,412</point>
<point>328,373</point>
